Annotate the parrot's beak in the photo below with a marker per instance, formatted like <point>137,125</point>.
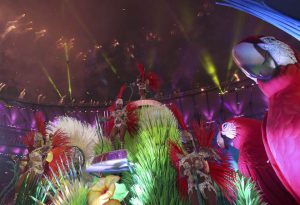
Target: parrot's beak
<point>254,61</point>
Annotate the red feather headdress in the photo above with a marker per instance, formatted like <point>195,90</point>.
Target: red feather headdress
<point>28,139</point>
<point>203,135</point>
<point>141,69</point>
<point>154,82</point>
<point>153,79</point>
<point>121,91</point>
<point>40,123</point>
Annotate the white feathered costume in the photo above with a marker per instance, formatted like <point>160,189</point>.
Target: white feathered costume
<point>81,134</point>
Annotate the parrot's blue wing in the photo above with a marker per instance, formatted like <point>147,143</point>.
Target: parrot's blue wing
<point>266,13</point>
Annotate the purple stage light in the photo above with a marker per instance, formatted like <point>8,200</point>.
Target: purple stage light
<point>208,114</point>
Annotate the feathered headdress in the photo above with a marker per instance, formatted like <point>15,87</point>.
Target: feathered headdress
<point>153,79</point>
<point>203,135</point>
<point>119,99</point>
<point>40,123</point>
<point>28,139</point>
<point>221,170</point>
<point>141,70</point>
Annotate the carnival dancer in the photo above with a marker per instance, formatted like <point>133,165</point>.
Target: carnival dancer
<point>146,82</point>
<point>198,167</point>
<point>45,152</point>
<point>122,118</point>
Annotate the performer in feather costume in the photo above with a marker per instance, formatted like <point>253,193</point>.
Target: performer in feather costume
<point>45,150</point>
<point>122,119</point>
<point>198,168</point>
<point>146,81</point>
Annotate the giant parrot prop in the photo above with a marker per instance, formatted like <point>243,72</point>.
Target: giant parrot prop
<point>245,135</point>
<point>275,66</point>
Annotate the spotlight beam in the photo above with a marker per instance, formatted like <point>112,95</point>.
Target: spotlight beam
<point>89,34</point>
<point>51,81</point>
<point>66,48</point>
<point>210,69</point>
<point>237,28</point>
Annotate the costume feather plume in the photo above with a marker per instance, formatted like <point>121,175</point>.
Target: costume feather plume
<point>176,153</point>
<point>132,118</point>
<point>203,135</point>
<point>58,154</point>
<point>177,114</point>
<point>60,148</point>
<point>223,175</point>
<point>40,123</point>
<point>109,126</point>
<point>79,134</point>
<point>121,91</point>
<point>154,81</point>
<point>141,69</point>
<point>60,139</point>
<point>28,140</point>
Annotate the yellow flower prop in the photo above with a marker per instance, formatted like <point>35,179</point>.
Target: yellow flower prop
<point>49,157</point>
<point>102,191</point>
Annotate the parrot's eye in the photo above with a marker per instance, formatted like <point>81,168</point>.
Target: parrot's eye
<point>225,125</point>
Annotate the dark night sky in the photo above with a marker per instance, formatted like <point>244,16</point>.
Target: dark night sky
<point>167,36</point>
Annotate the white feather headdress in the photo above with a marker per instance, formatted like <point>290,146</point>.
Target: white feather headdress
<point>81,134</point>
